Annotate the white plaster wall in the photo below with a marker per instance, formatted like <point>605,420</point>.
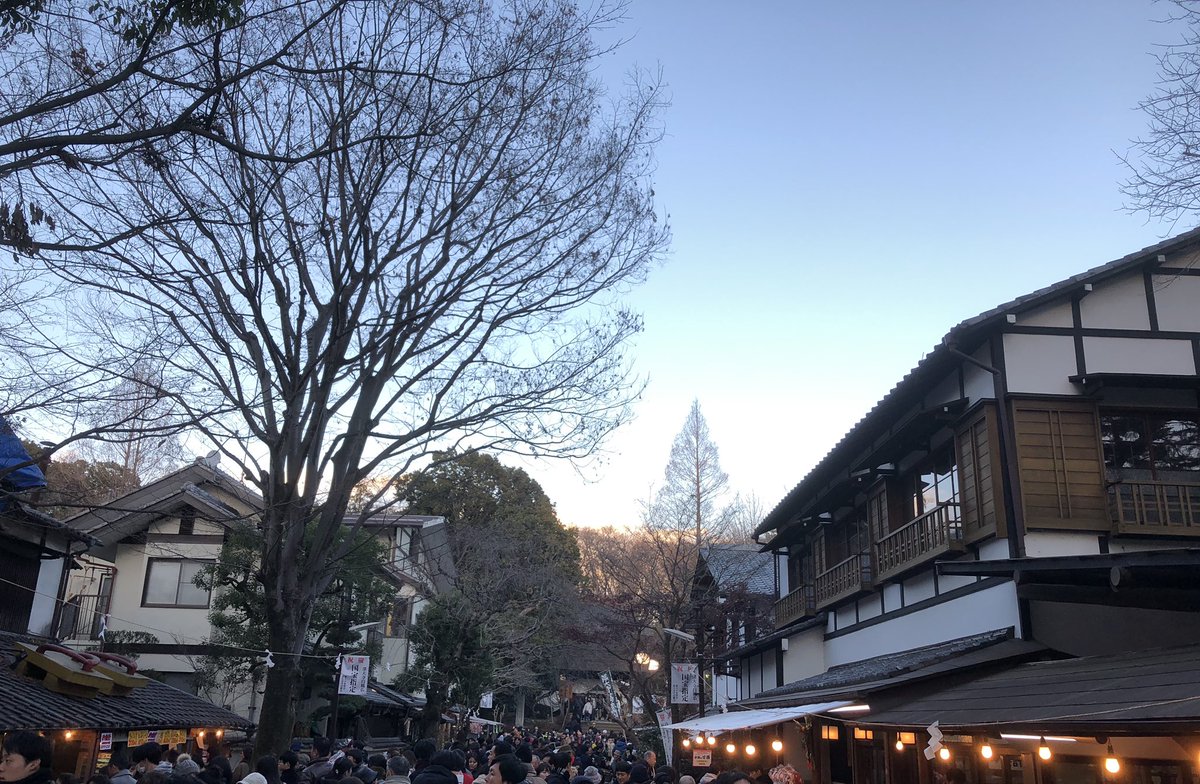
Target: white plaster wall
<point>1046,544</point>
<point>770,678</point>
<point>919,587</point>
<point>891,596</point>
<point>949,582</point>
<point>983,611</point>
<point>1177,302</point>
<point>1138,355</point>
<point>945,391</point>
<point>750,677</point>
<point>1057,314</point>
<point>868,607</point>
<point>846,615</point>
<point>1116,304</point>
<point>1126,545</point>
<point>41,613</point>
<point>978,383</point>
<point>169,624</point>
<point>993,549</point>
<point>805,655</point>
<point>1040,363</point>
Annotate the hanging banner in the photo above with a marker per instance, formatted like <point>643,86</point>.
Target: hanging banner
<point>485,701</point>
<point>610,691</point>
<point>356,671</point>
<point>685,683</point>
<point>664,719</point>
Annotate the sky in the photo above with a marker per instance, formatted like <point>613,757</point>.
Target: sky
<point>845,183</point>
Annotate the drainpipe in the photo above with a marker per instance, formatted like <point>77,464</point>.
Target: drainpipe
<point>1008,465</point>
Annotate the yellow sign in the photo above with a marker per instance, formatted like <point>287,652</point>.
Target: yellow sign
<point>161,737</point>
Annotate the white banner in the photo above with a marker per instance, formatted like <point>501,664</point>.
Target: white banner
<point>356,671</point>
<point>664,720</point>
<point>685,683</point>
<point>485,701</point>
<point>610,691</point>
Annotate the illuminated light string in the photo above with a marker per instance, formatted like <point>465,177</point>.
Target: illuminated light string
<point>269,655</point>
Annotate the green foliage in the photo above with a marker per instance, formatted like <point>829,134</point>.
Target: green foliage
<point>452,657</point>
<point>134,18</point>
<point>74,485</point>
<point>239,613</point>
<point>121,641</point>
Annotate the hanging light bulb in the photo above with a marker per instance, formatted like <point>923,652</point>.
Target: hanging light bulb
<point>985,750</point>
<point>750,750</point>
<point>1111,763</point>
<point>730,748</point>
<point>687,743</point>
<point>944,753</point>
<point>1044,750</point>
<point>712,740</point>
<point>777,745</point>
<point>899,745</point>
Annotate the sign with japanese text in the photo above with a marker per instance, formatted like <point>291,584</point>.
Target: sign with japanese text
<point>664,718</point>
<point>685,683</point>
<point>356,671</point>
<point>106,741</point>
<point>701,758</point>
<point>163,737</point>
<point>610,691</point>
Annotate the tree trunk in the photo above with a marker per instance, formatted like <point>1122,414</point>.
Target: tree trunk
<point>278,714</point>
<point>520,719</point>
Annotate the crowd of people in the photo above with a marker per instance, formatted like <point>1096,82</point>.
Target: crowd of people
<point>517,757</point>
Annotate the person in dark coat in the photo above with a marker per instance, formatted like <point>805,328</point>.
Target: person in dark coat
<point>440,769</point>
<point>26,759</point>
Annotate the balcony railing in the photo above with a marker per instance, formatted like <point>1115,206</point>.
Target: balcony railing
<point>1163,508</point>
<point>845,579</point>
<point>80,617</point>
<point>798,604</point>
<point>934,533</point>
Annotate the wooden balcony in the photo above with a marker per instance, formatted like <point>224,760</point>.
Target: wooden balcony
<point>1155,508</point>
<point>845,579</point>
<point>937,532</point>
<point>798,604</point>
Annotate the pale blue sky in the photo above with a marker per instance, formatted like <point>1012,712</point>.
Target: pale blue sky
<point>846,181</point>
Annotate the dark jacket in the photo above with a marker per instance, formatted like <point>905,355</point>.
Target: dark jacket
<point>316,770</point>
<point>435,774</point>
<point>221,763</point>
<point>364,774</point>
<point>39,776</point>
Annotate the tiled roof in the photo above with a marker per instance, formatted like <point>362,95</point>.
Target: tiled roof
<point>940,359</point>
<point>741,564</point>
<point>888,666</point>
<point>1082,695</point>
<point>28,705</point>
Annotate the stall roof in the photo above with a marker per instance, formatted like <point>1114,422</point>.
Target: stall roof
<point>28,705</point>
<point>749,719</point>
<point>1121,692</point>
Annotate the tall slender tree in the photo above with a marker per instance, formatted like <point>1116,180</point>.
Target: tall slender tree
<point>695,486</point>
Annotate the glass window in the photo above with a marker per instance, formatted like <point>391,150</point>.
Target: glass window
<point>935,483</point>
<point>171,583</point>
<point>1158,442</point>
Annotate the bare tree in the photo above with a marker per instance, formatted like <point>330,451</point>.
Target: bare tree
<point>446,274</point>
<point>695,488</point>
<point>1164,164</point>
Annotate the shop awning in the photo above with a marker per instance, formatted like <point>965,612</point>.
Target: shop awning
<point>745,720</point>
<point>1125,693</point>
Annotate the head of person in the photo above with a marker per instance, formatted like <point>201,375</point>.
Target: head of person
<point>651,759</point>
<point>355,755</point>
<point>342,767</point>
<point>288,760</point>
<point>639,774</point>
<point>665,774</point>
<point>322,746</point>
<point>506,769</point>
<point>398,766</point>
<point>561,759</point>
<point>733,777</point>
<point>621,772</point>
<point>25,753</point>
<point>424,749</point>
<point>186,766</point>
<point>685,779</point>
<point>119,761</point>
<point>448,760</point>
<point>377,762</point>
<point>268,766</point>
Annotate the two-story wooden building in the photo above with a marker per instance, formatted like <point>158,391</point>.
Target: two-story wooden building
<point>1030,489</point>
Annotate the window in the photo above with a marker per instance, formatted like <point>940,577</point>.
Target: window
<point>1150,441</point>
<point>171,583</point>
<point>408,543</point>
<point>934,483</point>
<point>397,620</point>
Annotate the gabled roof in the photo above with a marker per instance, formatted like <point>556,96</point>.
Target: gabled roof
<point>965,336</point>
<point>740,565</point>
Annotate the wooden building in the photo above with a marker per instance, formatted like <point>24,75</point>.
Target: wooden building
<point>1029,491</point>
